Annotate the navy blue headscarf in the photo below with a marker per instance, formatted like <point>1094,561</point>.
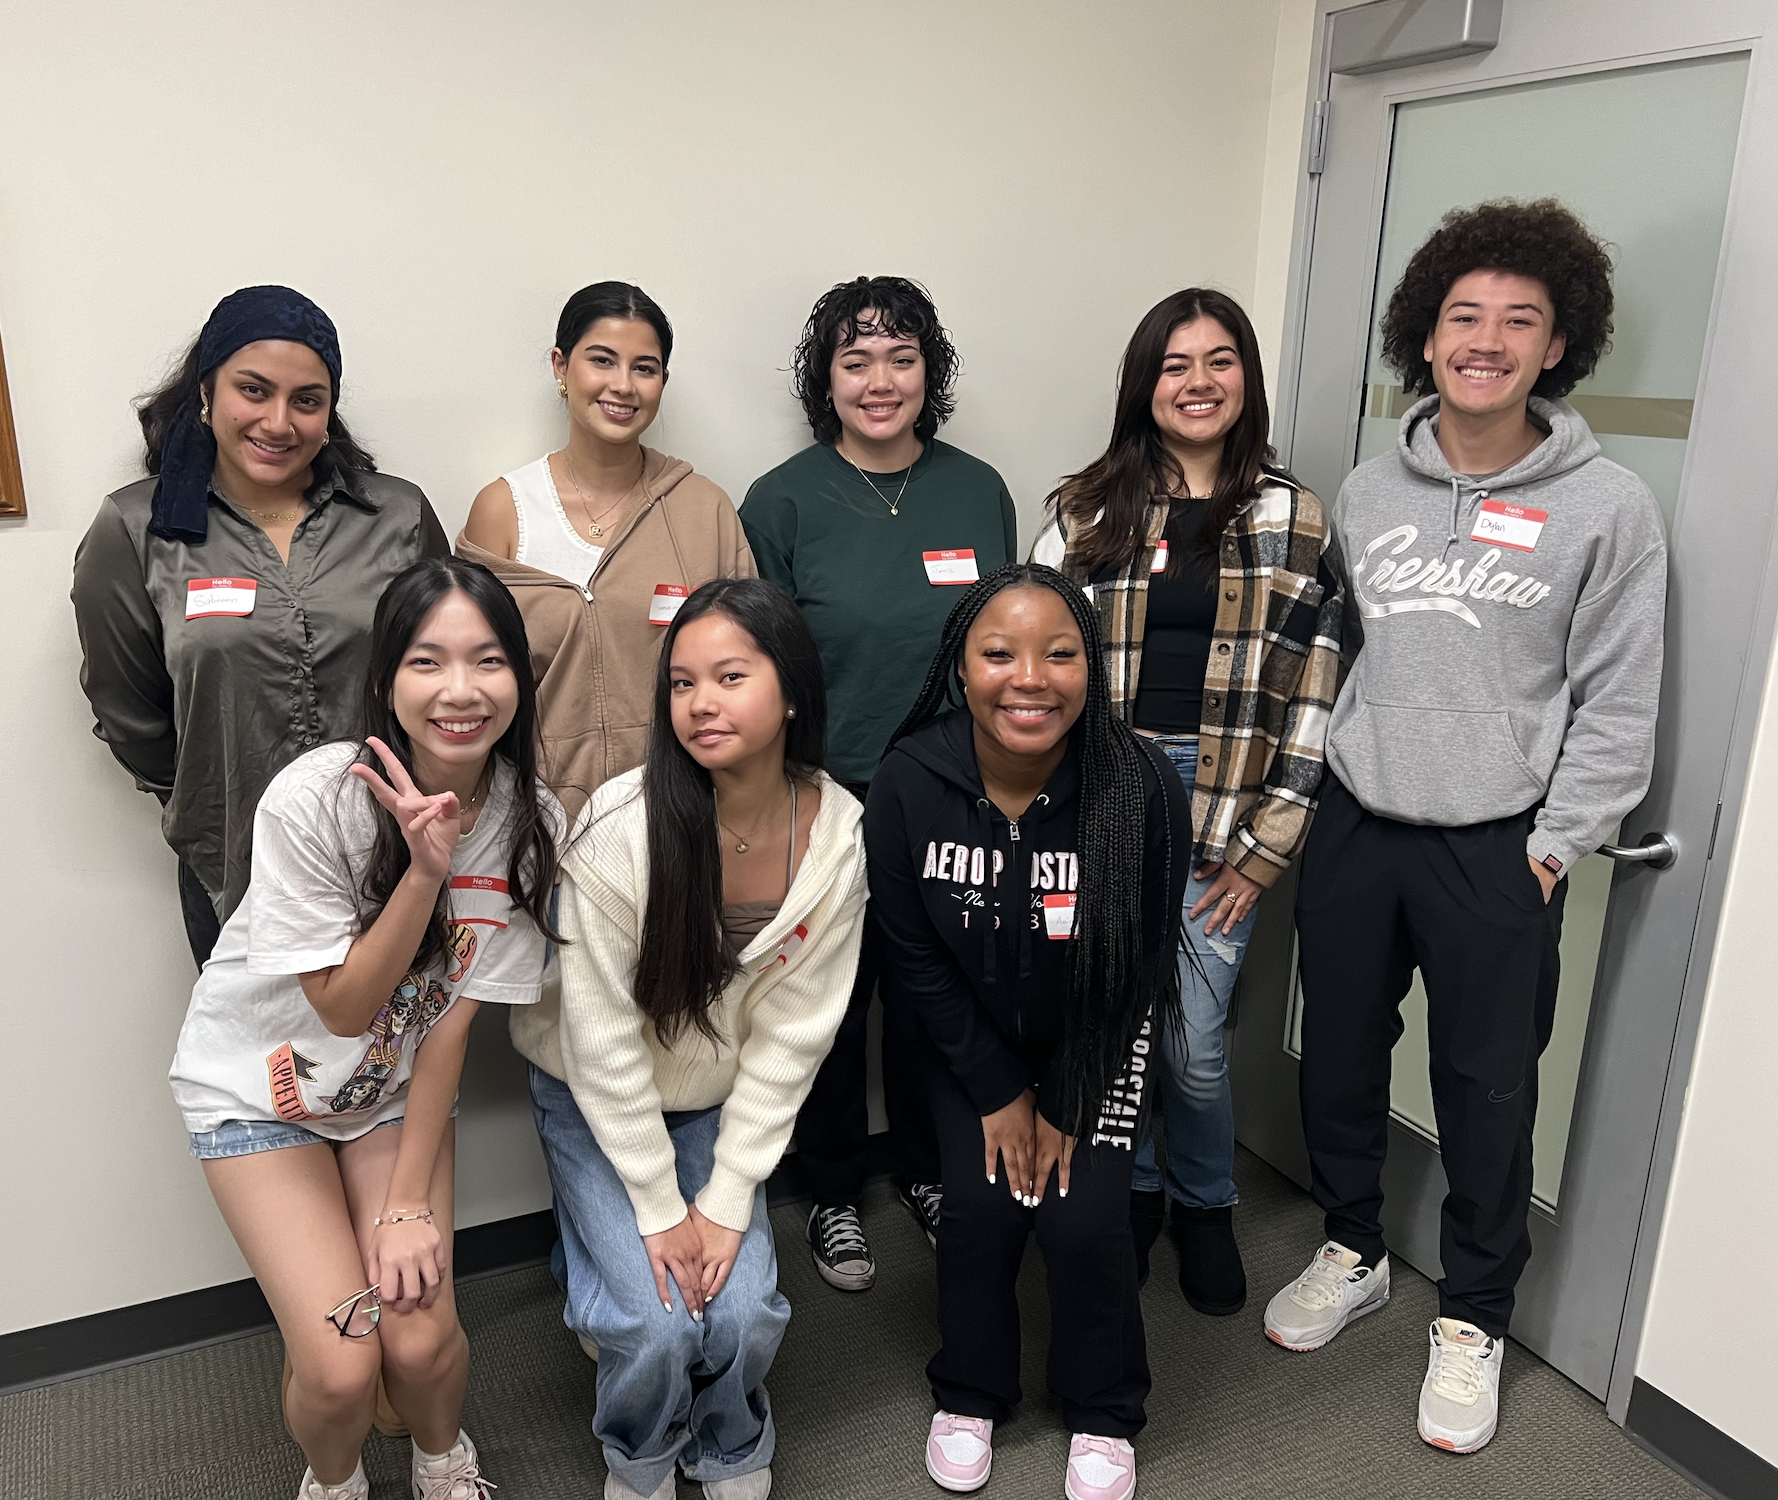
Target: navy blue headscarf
<point>188,452</point>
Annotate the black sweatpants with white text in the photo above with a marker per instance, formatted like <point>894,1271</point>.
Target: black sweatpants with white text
<point>1098,1357</point>
<point>1377,899</point>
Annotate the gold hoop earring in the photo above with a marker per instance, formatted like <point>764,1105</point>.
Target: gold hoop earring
<point>326,438</point>
<point>204,411</point>
<point>562,389</point>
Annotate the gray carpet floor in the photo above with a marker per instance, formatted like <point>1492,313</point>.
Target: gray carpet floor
<point>1231,1415</point>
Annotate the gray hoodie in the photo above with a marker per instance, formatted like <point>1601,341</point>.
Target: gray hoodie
<point>1510,630</point>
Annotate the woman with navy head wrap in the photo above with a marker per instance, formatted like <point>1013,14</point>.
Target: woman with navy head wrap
<point>224,601</point>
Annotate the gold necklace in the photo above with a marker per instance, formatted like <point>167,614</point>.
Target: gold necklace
<point>895,504</point>
<point>593,529</point>
<point>274,515</point>
<point>743,844</point>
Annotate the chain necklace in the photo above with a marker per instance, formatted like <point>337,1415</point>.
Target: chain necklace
<point>743,844</point>
<point>594,530</point>
<point>895,504</point>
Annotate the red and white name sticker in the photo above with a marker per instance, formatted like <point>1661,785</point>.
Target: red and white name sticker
<point>1503,525</point>
<point>951,567</point>
<point>219,596</point>
<point>1159,565</point>
<point>1058,916</point>
<point>665,604</point>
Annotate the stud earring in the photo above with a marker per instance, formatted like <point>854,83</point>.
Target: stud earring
<point>562,389</point>
<point>790,713</point>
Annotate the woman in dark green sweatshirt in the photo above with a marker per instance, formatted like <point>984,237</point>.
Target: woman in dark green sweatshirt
<point>872,528</point>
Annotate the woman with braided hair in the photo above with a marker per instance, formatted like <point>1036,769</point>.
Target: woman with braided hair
<point>1028,856</point>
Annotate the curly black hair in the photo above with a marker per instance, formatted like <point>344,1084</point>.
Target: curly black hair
<point>898,307</point>
<point>1543,240</point>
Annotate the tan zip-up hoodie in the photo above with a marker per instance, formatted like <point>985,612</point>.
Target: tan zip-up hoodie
<point>593,650</point>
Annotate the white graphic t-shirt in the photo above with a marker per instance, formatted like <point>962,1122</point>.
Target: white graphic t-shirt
<point>253,1048</point>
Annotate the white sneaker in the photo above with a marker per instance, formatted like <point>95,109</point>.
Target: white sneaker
<point>355,1488</point>
<point>455,1475</point>
<point>1460,1397</point>
<point>1325,1298</point>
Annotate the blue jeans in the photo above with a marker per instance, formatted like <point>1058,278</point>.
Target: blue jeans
<point>1194,1078</point>
<point>670,1389</point>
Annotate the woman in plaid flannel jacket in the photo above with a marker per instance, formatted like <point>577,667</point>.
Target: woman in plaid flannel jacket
<point>1187,512</point>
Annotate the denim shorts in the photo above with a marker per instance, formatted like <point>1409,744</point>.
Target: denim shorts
<point>250,1137</point>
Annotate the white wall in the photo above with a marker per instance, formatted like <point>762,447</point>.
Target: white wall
<point>439,177</point>
<point>1704,1342</point>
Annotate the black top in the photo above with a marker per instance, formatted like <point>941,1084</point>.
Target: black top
<point>1181,620</point>
<point>976,911</point>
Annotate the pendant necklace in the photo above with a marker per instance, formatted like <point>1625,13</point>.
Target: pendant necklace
<point>594,530</point>
<point>744,843</point>
<point>895,504</point>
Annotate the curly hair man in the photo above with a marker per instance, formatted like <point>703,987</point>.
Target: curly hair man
<point>1506,599</point>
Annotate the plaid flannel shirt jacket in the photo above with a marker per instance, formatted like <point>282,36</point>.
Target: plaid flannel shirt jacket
<point>1274,670</point>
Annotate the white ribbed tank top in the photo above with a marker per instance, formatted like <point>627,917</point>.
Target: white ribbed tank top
<point>547,539</point>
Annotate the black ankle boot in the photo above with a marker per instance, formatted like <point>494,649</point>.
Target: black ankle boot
<point>1146,1212</point>
<point>1210,1271</point>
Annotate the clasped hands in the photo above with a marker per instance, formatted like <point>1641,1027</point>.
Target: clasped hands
<point>1031,1148</point>
<point>698,1253</point>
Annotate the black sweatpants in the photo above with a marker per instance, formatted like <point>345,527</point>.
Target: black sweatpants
<point>1377,899</point>
<point>833,1126</point>
<point>1098,1364</point>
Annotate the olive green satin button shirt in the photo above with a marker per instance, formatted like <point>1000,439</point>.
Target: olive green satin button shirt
<point>203,703</point>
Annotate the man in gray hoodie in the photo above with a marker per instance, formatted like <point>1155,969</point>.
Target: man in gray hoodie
<point>1507,595</point>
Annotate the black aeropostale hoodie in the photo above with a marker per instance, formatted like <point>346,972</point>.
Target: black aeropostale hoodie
<point>976,910</point>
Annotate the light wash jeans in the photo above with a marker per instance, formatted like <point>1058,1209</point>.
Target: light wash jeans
<point>1194,1081</point>
<point>670,1389</point>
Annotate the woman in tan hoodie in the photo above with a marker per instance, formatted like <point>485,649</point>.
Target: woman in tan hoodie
<point>602,541</point>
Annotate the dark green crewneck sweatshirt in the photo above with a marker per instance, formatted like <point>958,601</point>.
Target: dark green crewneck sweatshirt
<point>819,529</point>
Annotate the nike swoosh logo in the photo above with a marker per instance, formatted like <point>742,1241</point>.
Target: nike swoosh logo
<point>1494,1098</point>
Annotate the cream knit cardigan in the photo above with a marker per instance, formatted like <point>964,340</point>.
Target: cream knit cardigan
<point>777,1018</point>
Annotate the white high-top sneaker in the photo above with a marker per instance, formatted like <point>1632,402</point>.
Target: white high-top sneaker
<point>1325,1298</point>
<point>1460,1397</point>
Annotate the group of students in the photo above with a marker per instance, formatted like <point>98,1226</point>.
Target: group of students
<point>684,788</point>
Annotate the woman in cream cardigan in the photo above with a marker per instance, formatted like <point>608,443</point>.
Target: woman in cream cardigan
<point>713,918</point>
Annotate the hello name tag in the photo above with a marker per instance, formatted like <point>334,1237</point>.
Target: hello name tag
<point>205,597</point>
<point>1159,565</point>
<point>1503,525</point>
<point>665,604</point>
<point>1058,917</point>
<point>951,567</point>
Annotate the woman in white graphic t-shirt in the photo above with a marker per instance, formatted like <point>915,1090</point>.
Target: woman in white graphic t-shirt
<point>396,885</point>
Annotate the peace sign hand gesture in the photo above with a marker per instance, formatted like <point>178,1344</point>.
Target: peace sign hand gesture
<point>431,825</point>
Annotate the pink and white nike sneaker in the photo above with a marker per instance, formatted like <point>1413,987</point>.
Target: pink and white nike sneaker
<point>1100,1468</point>
<point>959,1451</point>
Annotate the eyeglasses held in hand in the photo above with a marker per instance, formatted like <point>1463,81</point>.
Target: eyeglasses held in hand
<point>357,1317</point>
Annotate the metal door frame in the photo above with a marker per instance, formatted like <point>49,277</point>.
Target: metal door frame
<point>1715,674</point>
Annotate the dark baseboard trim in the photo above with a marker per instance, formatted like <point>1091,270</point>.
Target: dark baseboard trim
<point>236,1309</point>
<point>1707,1456</point>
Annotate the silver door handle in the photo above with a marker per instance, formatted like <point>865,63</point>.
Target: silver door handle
<point>1657,852</point>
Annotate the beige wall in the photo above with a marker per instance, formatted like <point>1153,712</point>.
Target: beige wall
<point>1703,1342</point>
<point>439,177</point>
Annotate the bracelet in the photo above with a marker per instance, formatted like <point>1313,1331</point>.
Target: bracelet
<point>404,1216</point>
